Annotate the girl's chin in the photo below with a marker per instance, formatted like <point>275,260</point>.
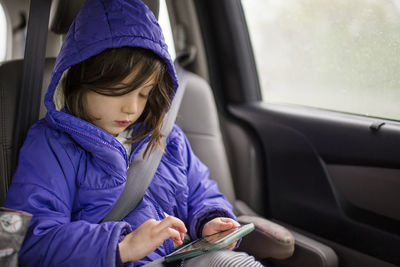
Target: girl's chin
<point>114,132</point>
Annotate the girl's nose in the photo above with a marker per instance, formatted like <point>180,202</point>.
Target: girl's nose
<point>130,105</point>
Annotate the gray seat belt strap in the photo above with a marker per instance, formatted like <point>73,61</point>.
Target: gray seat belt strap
<point>141,171</point>
<point>32,75</point>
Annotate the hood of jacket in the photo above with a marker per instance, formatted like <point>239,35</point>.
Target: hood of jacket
<point>103,24</point>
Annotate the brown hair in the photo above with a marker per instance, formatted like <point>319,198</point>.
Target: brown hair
<point>102,72</point>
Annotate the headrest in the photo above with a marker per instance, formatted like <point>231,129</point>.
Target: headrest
<point>63,12</point>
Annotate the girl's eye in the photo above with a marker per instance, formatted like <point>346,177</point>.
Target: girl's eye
<point>143,96</point>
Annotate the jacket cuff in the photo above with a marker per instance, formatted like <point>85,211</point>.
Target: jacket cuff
<point>121,229</point>
<point>118,261</point>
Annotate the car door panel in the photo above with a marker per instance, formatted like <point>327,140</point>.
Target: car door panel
<point>379,188</point>
<point>331,174</point>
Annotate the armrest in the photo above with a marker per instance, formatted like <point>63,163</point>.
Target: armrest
<point>268,240</point>
<point>310,252</point>
<point>289,248</point>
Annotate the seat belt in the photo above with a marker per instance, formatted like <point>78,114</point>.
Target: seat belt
<point>32,76</point>
<point>142,170</point>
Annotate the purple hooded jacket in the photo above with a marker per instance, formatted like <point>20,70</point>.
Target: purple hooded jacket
<point>70,173</point>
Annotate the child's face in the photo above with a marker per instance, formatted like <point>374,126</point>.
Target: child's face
<point>115,113</point>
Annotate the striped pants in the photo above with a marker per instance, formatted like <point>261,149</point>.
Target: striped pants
<point>219,258</point>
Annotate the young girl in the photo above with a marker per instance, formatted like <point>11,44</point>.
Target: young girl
<point>112,84</point>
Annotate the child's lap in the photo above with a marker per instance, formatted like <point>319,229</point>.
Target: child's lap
<point>213,259</point>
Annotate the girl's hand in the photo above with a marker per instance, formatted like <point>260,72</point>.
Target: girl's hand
<point>150,235</point>
<point>220,224</point>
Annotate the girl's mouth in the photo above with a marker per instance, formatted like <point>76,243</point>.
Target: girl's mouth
<point>123,123</point>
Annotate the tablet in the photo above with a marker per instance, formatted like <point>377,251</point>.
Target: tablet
<point>209,243</point>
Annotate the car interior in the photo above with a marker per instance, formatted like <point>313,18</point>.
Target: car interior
<point>319,185</point>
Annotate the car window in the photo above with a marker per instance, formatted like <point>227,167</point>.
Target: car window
<point>3,34</point>
<point>166,28</point>
<point>333,54</point>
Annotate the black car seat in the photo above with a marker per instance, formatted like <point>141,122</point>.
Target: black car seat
<point>269,239</point>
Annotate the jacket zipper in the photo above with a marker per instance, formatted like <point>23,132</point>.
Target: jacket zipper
<point>159,214</point>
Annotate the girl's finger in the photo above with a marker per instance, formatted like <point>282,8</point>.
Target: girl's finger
<point>222,226</point>
<point>174,235</point>
<point>226,226</point>
<point>230,221</point>
<point>172,222</point>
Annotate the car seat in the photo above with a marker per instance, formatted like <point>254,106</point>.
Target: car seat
<point>268,241</point>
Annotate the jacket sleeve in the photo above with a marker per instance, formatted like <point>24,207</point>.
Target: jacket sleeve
<point>45,185</point>
<point>205,201</point>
